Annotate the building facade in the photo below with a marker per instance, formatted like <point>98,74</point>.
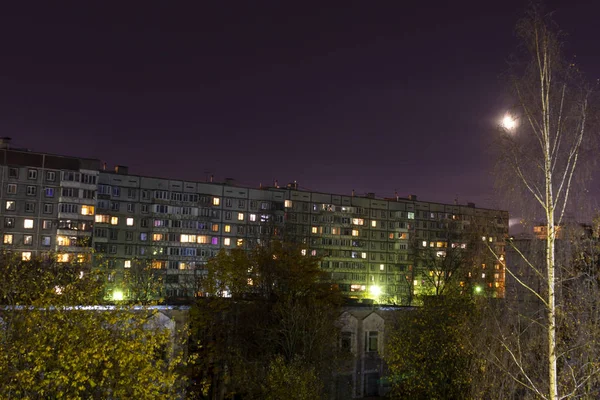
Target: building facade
<point>78,209</point>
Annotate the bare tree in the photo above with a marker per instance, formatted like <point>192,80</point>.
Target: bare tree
<point>543,149</point>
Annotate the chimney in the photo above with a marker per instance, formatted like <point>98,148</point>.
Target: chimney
<point>104,167</point>
<point>412,197</point>
<point>121,169</point>
<point>352,192</point>
<point>211,178</point>
<point>276,184</point>
<point>5,142</point>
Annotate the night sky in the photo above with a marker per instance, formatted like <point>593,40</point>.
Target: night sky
<point>375,96</point>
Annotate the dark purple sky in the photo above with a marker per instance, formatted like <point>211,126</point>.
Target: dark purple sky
<point>374,96</point>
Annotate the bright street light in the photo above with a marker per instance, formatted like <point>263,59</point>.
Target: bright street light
<point>117,295</point>
<point>375,290</point>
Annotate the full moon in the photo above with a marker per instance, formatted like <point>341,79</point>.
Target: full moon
<point>509,122</point>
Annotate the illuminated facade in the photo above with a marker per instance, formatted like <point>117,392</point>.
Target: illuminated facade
<point>369,246</point>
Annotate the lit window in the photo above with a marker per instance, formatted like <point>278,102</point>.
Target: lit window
<point>8,239</point>
<point>226,242</point>
<point>463,246</point>
<point>63,241</point>
<point>314,229</point>
<point>391,235</point>
<point>28,224</point>
<point>313,253</point>
<point>357,221</point>
<point>10,205</point>
<point>129,221</point>
<point>188,238</point>
<point>411,215</point>
<point>26,256</point>
<point>303,252</point>
<point>87,210</point>
<point>381,267</point>
<point>483,275</point>
<point>355,232</point>
<point>215,228</point>
<point>114,220</point>
<point>203,239</point>
<point>240,242</point>
<point>62,257</point>
<point>216,201</point>
<point>227,228</point>
<point>374,224</point>
<point>363,255</point>
<point>424,243</point>
<point>491,239</point>
<point>215,241</point>
<point>157,237</point>
<point>288,204</point>
<point>240,216</point>
<point>104,219</point>
<point>483,238</point>
<point>127,264</point>
<point>252,217</point>
<point>335,231</point>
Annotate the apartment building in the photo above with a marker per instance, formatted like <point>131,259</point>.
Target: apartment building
<point>78,209</point>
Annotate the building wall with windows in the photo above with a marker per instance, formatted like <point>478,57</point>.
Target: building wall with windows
<point>73,207</point>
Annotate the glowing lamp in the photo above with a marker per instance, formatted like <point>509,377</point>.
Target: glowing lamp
<point>375,290</point>
<point>117,295</point>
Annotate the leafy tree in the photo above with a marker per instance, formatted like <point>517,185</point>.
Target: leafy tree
<point>428,351</point>
<point>277,310</point>
<point>295,380</point>
<point>58,340</point>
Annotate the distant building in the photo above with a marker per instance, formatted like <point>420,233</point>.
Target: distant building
<point>75,207</point>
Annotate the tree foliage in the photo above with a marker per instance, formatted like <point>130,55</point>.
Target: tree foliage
<point>428,352</point>
<point>279,315</point>
<point>58,340</point>
<point>293,380</point>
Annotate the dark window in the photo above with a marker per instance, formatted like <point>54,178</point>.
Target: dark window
<point>371,341</point>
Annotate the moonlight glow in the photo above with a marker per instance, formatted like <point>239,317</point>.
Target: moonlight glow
<point>508,122</point>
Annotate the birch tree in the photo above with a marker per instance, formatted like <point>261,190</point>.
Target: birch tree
<point>544,140</point>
